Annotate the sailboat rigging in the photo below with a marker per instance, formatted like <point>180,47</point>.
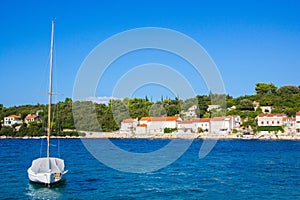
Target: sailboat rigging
<point>48,170</point>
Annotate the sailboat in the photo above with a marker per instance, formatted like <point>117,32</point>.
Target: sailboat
<point>48,170</point>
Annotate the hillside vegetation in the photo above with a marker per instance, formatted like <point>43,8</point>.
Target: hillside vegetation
<point>285,99</point>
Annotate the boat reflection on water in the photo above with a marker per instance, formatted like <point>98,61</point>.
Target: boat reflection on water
<point>40,191</point>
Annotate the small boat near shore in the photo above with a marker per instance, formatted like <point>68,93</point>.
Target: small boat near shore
<point>48,170</point>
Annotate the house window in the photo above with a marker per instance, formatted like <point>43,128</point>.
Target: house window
<point>278,122</point>
<point>272,122</point>
<point>262,122</point>
<point>267,122</point>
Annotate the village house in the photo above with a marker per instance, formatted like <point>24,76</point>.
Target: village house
<point>213,107</point>
<point>32,118</point>
<point>201,123</point>
<point>155,125</point>
<point>224,124</point>
<point>290,124</point>
<point>185,126</point>
<point>266,109</point>
<point>11,120</point>
<point>270,119</point>
<point>190,113</point>
<point>128,125</point>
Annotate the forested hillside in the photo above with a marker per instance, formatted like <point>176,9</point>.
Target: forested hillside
<point>285,99</point>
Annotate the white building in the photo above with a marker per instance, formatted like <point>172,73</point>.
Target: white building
<point>12,119</point>
<point>190,113</point>
<point>203,123</point>
<point>185,125</point>
<point>290,124</point>
<point>266,109</point>
<point>128,125</point>
<point>224,125</point>
<point>32,118</point>
<point>154,125</point>
<point>213,107</point>
<point>270,119</point>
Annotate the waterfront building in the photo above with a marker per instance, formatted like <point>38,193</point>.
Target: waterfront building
<point>271,119</point>
<point>128,125</point>
<point>201,123</point>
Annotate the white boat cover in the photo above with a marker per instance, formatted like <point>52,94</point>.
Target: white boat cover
<point>44,165</point>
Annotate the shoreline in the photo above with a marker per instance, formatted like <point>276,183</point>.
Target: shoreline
<point>117,135</point>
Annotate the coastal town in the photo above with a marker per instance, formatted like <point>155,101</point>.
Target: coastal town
<point>188,125</point>
<point>215,127</point>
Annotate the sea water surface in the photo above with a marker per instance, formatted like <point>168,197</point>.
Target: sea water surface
<point>234,169</point>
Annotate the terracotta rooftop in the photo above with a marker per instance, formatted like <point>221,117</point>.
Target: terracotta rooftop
<point>172,118</point>
<point>128,120</point>
<point>14,116</point>
<point>271,115</point>
<point>220,118</point>
<point>31,117</point>
<point>201,120</point>
<point>143,125</point>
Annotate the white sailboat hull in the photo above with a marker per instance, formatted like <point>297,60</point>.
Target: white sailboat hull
<point>46,171</point>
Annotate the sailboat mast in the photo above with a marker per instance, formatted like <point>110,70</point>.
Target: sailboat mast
<point>50,91</point>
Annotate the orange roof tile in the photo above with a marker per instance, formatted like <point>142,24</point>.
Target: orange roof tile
<point>201,120</point>
<point>288,119</point>
<point>272,115</point>
<point>31,117</point>
<point>171,118</point>
<point>145,119</point>
<point>128,120</point>
<point>14,116</point>
<point>221,118</point>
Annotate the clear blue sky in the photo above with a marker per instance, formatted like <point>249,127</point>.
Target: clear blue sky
<point>250,41</point>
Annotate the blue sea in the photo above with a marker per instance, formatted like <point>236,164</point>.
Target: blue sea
<point>234,169</point>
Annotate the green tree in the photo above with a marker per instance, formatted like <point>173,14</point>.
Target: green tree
<point>7,131</point>
<point>246,104</point>
<point>287,90</point>
<point>265,88</point>
<point>203,102</point>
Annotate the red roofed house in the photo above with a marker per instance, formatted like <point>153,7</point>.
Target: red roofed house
<point>271,119</point>
<point>202,123</point>
<point>12,119</point>
<point>128,125</point>
<point>158,124</point>
<point>31,118</point>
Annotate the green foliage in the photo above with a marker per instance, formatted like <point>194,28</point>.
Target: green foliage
<point>169,130</point>
<point>270,128</point>
<point>265,88</point>
<point>203,102</point>
<point>7,131</point>
<point>100,117</point>
<point>287,90</point>
<point>246,104</point>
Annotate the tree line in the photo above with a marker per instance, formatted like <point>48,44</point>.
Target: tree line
<point>285,99</point>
